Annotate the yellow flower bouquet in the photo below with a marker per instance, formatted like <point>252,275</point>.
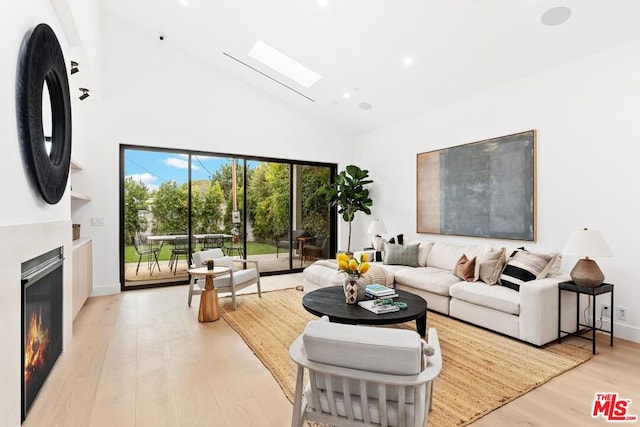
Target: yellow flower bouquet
<point>353,266</point>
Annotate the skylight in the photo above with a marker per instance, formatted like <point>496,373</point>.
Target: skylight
<point>281,63</point>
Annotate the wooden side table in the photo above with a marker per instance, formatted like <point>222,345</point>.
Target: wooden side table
<point>592,292</point>
<point>209,309</point>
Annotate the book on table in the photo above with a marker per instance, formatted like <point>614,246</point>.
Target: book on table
<point>375,307</point>
<point>379,290</point>
<point>370,296</point>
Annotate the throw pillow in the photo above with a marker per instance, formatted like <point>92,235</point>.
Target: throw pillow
<point>423,251</point>
<point>465,268</point>
<point>523,266</point>
<point>402,255</point>
<point>491,266</point>
<point>399,239</point>
<point>552,268</point>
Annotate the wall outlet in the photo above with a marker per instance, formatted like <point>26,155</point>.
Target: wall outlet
<point>97,221</point>
<point>605,310</point>
<point>621,313</point>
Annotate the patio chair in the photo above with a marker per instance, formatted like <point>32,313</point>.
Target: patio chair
<point>212,241</point>
<point>363,375</point>
<point>180,249</point>
<point>282,241</point>
<point>315,247</point>
<point>147,251</point>
<point>234,281</point>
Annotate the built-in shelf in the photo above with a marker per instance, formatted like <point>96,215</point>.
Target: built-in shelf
<point>80,197</point>
<point>77,166</point>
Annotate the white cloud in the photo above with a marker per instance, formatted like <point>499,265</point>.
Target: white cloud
<point>179,163</point>
<point>145,178</point>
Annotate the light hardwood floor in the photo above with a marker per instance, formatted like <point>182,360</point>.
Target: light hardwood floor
<point>141,358</point>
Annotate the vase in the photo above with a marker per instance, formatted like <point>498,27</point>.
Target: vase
<point>354,288</point>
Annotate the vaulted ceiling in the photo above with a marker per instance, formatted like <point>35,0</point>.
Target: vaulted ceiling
<point>458,47</point>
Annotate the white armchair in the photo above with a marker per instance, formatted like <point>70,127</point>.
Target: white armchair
<point>364,376</point>
<point>236,279</point>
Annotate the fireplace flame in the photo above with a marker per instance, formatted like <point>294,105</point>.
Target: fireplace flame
<point>35,346</point>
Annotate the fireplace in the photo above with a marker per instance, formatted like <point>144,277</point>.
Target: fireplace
<point>42,341</point>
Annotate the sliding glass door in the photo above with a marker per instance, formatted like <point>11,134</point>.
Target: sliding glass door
<point>176,202</point>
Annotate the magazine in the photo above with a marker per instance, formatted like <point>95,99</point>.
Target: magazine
<point>374,307</point>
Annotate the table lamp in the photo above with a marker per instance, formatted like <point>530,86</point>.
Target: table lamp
<point>377,228</point>
<point>587,243</point>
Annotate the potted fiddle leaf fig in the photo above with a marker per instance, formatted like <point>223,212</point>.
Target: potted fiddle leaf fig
<point>349,195</point>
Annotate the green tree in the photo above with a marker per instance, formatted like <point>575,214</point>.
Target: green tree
<point>213,208</point>
<point>315,209</point>
<point>170,209</point>
<point>136,195</point>
<point>268,195</point>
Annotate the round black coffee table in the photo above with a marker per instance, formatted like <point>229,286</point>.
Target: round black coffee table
<point>330,301</point>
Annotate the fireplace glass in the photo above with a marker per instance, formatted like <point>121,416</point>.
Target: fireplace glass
<point>41,322</point>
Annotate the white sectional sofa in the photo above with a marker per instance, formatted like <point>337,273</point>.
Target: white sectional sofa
<point>493,296</point>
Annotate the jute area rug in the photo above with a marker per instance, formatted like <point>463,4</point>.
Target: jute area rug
<point>481,370</point>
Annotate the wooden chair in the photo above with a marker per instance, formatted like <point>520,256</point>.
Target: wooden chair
<point>363,375</point>
<point>236,279</point>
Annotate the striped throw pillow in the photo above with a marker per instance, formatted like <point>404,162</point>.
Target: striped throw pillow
<point>524,266</point>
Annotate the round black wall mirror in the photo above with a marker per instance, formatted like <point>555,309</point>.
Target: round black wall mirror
<point>44,103</point>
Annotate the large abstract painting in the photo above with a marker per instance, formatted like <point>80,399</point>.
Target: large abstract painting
<point>483,189</point>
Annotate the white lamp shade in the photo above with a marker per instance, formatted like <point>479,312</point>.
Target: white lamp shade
<point>377,227</point>
<point>587,243</point>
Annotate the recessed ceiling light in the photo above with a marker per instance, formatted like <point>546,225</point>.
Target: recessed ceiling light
<point>283,64</point>
<point>408,61</point>
<point>346,95</point>
<point>323,3</point>
<point>556,16</point>
<point>365,106</point>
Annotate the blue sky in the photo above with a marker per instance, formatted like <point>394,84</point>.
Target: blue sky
<point>155,167</point>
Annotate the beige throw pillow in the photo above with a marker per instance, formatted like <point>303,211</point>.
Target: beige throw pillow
<point>465,268</point>
<point>491,266</point>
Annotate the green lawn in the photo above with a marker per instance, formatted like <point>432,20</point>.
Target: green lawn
<point>253,248</point>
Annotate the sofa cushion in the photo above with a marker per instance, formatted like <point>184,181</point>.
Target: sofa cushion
<point>324,275</point>
<point>434,280</point>
<point>491,265</point>
<point>465,268</point>
<point>445,255</point>
<point>495,297</point>
<point>388,351</point>
<point>402,255</point>
<point>524,266</point>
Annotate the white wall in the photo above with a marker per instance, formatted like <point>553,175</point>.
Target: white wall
<point>28,225</point>
<point>585,113</point>
<point>21,202</point>
<point>153,95</point>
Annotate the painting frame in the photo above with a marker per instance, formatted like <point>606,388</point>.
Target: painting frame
<point>484,188</point>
